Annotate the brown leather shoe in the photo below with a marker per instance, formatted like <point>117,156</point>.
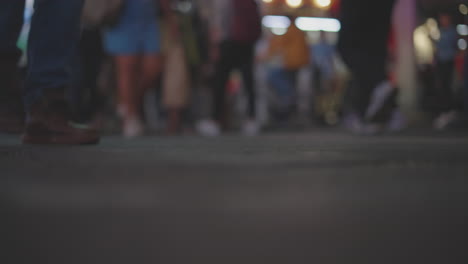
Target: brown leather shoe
<point>11,122</point>
<point>11,104</point>
<point>49,123</point>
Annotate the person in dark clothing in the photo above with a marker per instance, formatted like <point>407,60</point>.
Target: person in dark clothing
<point>365,27</point>
<point>85,96</point>
<point>237,29</point>
<point>234,56</point>
<point>11,106</point>
<point>54,35</point>
<point>446,52</point>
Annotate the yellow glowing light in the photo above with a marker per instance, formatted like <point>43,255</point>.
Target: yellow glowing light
<point>294,3</point>
<point>322,3</point>
<point>267,1</point>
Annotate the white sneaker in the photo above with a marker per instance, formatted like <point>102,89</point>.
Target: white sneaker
<point>122,111</point>
<point>380,95</point>
<point>208,128</point>
<point>250,128</point>
<point>353,123</point>
<point>397,122</point>
<point>132,128</point>
<point>443,120</point>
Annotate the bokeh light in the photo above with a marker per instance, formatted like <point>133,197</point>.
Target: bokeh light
<point>294,3</point>
<point>463,9</point>
<point>462,44</point>
<point>322,3</point>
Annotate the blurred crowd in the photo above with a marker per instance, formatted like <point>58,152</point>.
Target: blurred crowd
<point>180,66</point>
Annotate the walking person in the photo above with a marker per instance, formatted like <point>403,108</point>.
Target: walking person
<point>135,44</point>
<point>291,53</point>
<point>54,35</point>
<point>363,38</point>
<point>236,29</point>
<point>324,81</point>
<point>446,52</point>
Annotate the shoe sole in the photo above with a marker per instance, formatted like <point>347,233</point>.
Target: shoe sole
<point>56,140</point>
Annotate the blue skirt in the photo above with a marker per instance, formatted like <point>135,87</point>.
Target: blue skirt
<point>137,31</point>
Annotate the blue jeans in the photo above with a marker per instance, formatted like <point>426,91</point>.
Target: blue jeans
<point>53,38</point>
<point>284,84</point>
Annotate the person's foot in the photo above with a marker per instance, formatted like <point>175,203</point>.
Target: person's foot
<point>397,122</point>
<point>208,128</point>
<point>250,128</point>
<point>460,123</point>
<point>11,121</point>
<point>444,120</point>
<point>133,127</point>
<point>49,123</point>
<point>382,103</point>
<point>354,124</point>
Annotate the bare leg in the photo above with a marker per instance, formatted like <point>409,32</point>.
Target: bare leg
<point>127,84</point>
<point>150,71</point>
<point>129,103</point>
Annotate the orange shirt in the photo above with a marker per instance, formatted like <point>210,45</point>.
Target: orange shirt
<point>292,47</point>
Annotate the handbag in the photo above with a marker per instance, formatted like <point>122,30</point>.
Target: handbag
<point>176,79</point>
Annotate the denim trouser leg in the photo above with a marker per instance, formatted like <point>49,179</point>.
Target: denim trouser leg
<point>283,84</point>
<point>363,47</point>
<point>54,35</point>
<point>11,21</point>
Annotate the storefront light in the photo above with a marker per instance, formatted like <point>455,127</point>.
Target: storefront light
<point>463,9</point>
<point>294,3</point>
<point>318,24</point>
<point>279,31</point>
<point>322,3</point>
<point>279,22</point>
<point>462,45</point>
<point>303,23</point>
<point>462,29</point>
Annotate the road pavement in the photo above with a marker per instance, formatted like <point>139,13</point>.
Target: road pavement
<point>315,197</point>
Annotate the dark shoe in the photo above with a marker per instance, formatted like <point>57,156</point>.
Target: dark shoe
<point>11,105</point>
<point>11,122</point>
<point>49,123</point>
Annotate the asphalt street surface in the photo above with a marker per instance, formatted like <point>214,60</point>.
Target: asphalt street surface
<point>319,197</point>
